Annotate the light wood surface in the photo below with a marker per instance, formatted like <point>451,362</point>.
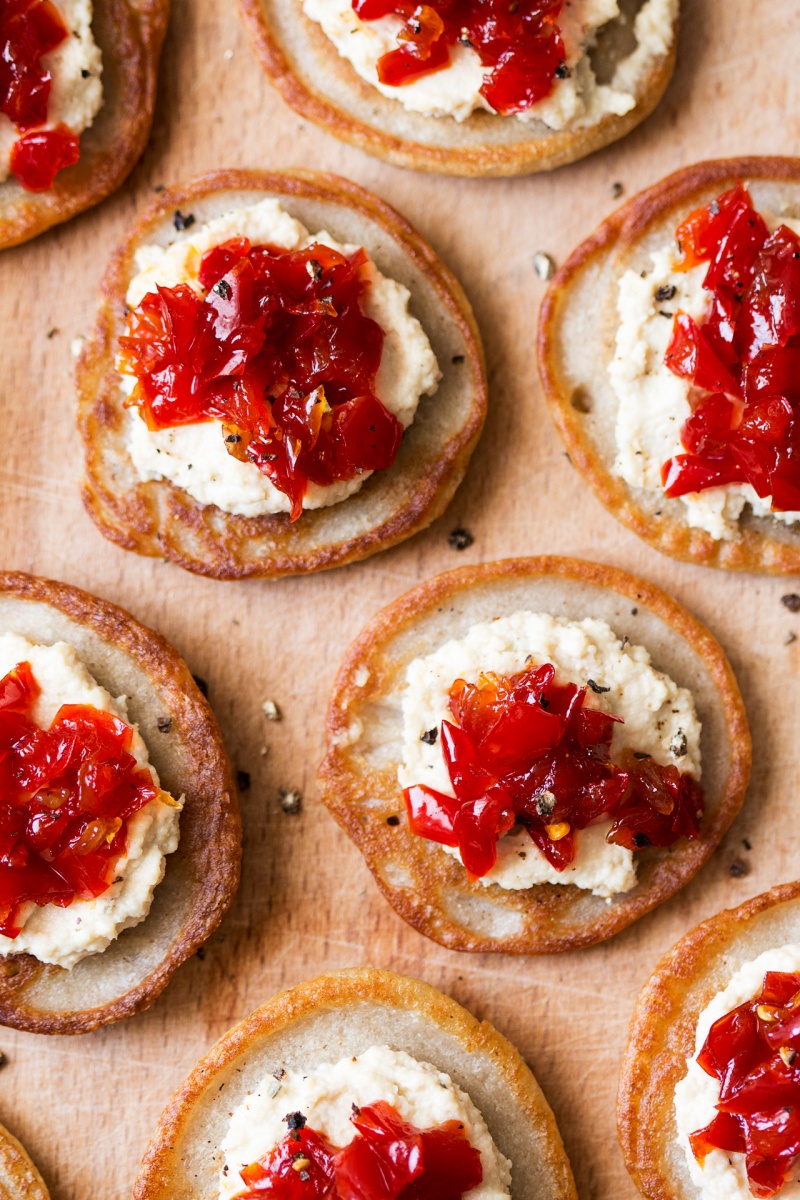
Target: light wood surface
<point>85,1107</point>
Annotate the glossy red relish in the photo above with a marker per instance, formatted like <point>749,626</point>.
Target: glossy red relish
<point>744,359</point>
<point>527,751</point>
<point>280,352</point>
<point>66,794</point>
<point>30,29</point>
<point>388,1159</point>
<point>519,42</point>
<point>38,156</point>
<point>753,1052</point>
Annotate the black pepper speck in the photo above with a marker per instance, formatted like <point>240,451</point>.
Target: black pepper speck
<point>460,539</point>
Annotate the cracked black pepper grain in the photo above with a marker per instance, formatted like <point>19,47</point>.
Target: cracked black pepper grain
<point>460,539</point>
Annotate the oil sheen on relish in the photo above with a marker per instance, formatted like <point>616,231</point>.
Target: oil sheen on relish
<point>66,794</point>
<point>753,1052</point>
<point>519,44</point>
<point>279,350</point>
<point>388,1159</point>
<point>30,29</point>
<point>524,750</point>
<point>744,359</point>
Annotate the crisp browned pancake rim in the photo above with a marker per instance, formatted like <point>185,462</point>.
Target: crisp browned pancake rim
<point>580,293</point>
<point>664,1026</point>
<point>185,745</point>
<point>130,34</point>
<point>311,1023</point>
<point>302,61</point>
<point>158,518</point>
<point>428,888</point>
<point>19,1177</point>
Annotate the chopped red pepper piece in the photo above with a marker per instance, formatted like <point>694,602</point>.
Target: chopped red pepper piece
<point>278,1176</point>
<point>753,1052</point>
<point>280,351</point>
<point>29,30</point>
<point>66,794</point>
<point>388,1159</point>
<point>745,356</point>
<point>526,751</point>
<point>520,44</point>
<point>38,156</point>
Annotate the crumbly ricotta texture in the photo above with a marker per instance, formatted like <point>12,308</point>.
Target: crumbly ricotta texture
<point>653,403</point>
<point>194,457</point>
<point>325,1096</point>
<point>723,1176</point>
<point>574,103</point>
<point>75,97</point>
<point>659,719</point>
<point>64,936</point>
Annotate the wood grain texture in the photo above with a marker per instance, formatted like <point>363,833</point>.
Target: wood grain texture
<point>85,1107</point>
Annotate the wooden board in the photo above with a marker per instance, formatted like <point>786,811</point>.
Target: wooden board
<point>85,1107</point>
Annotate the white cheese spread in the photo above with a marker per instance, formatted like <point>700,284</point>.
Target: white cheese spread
<point>64,936</point>
<point>575,101</point>
<point>723,1176</point>
<point>660,720</point>
<point>193,457</point>
<point>326,1095</point>
<point>653,403</point>
<point>76,93</point>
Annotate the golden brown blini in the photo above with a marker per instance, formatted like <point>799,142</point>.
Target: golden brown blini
<point>664,1024</point>
<point>335,1016</point>
<point>130,34</point>
<point>319,83</point>
<point>19,1178</point>
<point>576,344</point>
<point>158,518</point>
<point>185,747</point>
<point>364,748</point>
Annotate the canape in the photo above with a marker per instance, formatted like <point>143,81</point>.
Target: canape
<point>532,754</point>
<point>119,827</point>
